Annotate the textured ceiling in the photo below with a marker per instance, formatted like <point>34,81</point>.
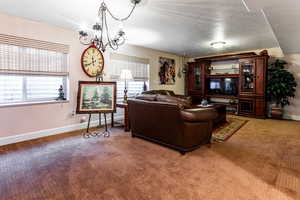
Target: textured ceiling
<point>283,16</point>
<point>177,26</point>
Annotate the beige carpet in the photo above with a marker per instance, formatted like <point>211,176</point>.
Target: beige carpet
<point>260,162</point>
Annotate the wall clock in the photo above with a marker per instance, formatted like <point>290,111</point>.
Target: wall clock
<point>92,61</point>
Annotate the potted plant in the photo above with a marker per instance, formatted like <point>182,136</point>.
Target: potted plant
<point>281,87</point>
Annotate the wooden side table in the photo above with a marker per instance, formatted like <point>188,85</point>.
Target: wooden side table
<point>126,117</point>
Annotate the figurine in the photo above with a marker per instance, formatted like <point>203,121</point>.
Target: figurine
<point>61,94</point>
<point>204,102</point>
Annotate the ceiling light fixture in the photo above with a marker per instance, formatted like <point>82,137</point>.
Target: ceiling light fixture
<point>101,30</point>
<point>218,45</point>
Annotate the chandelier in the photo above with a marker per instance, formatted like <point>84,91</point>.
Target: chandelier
<point>101,38</point>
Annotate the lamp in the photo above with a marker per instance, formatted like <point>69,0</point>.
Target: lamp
<point>218,45</point>
<point>126,75</point>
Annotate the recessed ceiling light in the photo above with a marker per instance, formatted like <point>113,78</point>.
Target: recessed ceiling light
<point>218,45</point>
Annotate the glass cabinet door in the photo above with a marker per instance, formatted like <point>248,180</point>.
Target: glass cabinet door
<point>247,70</point>
<point>197,77</point>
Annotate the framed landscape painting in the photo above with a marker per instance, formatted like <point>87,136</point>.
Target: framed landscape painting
<point>94,97</point>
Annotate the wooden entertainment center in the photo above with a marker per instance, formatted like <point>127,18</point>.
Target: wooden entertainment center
<point>236,80</point>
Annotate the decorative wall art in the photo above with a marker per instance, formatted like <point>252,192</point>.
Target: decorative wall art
<point>96,97</point>
<point>167,72</point>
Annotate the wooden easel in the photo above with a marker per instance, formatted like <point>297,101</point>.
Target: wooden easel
<point>106,132</point>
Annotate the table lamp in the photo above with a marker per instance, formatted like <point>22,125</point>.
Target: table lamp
<point>126,75</point>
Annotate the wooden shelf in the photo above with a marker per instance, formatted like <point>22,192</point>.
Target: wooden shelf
<point>257,96</point>
<point>230,108</point>
<point>227,104</point>
<point>222,96</point>
<point>223,76</point>
<point>227,57</point>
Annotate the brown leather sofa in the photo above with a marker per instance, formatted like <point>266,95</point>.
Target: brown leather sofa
<point>221,109</point>
<point>168,93</point>
<point>170,121</point>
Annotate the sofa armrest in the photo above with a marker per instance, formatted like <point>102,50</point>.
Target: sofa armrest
<point>199,114</point>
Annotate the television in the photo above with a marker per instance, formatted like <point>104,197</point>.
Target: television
<point>223,86</point>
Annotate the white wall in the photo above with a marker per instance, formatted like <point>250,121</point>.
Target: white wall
<point>293,110</point>
<point>153,56</point>
<point>31,118</point>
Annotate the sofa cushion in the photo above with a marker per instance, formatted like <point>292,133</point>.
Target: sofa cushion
<point>169,93</point>
<point>147,97</point>
<point>170,99</point>
<point>162,92</point>
<point>149,92</point>
<point>199,114</point>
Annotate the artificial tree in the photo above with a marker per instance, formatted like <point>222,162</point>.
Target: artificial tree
<point>281,86</point>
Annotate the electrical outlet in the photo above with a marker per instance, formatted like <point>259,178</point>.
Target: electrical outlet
<point>73,113</point>
<point>83,119</point>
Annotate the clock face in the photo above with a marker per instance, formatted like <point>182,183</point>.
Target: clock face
<point>92,61</point>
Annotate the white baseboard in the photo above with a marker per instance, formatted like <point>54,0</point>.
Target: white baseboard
<point>48,132</point>
<point>292,117</point>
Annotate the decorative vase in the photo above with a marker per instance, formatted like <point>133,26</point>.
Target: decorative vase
<point>264,53</point>
<point>145,87</point>
<point>276,113</point>
<point>204,102</point>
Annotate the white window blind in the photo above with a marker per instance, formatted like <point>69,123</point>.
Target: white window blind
<point>11,88</point>
<point>139,68</point>
<point>24,59</point>
<point>32,43</point>
<point>31,70</point>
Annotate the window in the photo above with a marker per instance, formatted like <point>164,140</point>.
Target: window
<point>18,88</point>
<point>134,88</point>
<point>31,70</point>
<point>139,68</point>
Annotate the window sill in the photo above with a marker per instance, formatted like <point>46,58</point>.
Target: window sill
<point>32,103</point>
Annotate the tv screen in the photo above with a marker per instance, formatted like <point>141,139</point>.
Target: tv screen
<point>223,86</point>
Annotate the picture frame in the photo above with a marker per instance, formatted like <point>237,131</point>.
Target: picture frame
<point>96,97</point>
<point>167,72</point>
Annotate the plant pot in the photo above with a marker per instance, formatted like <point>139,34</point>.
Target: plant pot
<point>276,113</point>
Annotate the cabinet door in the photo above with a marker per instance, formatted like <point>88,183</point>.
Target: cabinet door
<point>260,76</point>
<point>195,78</point>
<point>247,106</point>
<point>260,108</point>
<point>188,78</point>
<point>247,76</point>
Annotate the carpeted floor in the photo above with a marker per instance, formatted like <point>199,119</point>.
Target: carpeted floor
<point>224,131</point>
<point>259,162</point>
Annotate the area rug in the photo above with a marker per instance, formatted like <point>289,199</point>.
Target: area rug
<point>226,130</point>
